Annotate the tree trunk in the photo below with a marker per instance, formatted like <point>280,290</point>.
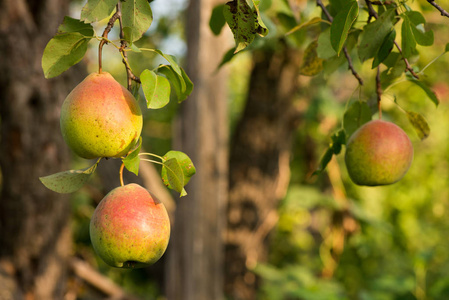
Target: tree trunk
<point>259,166</point>
<point>195,252</point>
<point>34,231</point>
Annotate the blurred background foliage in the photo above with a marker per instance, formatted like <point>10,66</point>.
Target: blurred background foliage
<point>333,240</point>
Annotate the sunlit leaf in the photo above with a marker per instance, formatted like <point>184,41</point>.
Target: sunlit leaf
<point>156,89</point>
<point>132,160</point>
<point>314,20</point>
<point>419,123</point>
<point>68,181</point>
<point>137,18</point>
<point>173,177</point>
<point>186,164</point>
<point>96,10</point>
<point>182,85</point>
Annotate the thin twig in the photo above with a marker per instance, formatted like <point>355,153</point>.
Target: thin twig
<point>105,39</point>
<point>345,50</point>
<point>442,11</point>
<point>408,67</point>
<point>129,72</point>
<point>379,92</point>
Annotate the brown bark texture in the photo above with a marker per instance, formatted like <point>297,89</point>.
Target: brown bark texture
<point>259,165</point>
<point>34,231</point>
<point>195,252</point>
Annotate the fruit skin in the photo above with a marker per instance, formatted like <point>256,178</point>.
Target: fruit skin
<point>378,153</point>
<point>130,228</point>
<point>100,118</point>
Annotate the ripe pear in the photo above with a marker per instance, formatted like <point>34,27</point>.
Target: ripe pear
<point>378,153</point>
<point>100,118</point>
<point>130,228</point>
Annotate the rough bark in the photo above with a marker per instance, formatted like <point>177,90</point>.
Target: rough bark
<point>195,252</point>
<point>34,231</point>
<point>259,166</point>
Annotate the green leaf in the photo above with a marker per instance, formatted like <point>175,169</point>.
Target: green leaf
<point>425,88</point>
<point>446,49</point>
<point>132,160</point>
<point>172,60</point>
<point>385,49</point>
<point>96,10</point>
<point>63,51</point>
<point>217,20</point>
<point>311,63</point>
<point>324,49</point>
<point>74,25</point>
<point>408,40</point>
<point>261,29</point>
<point>137,18</point>
<point>242,20</point>
<point>374,35</point>
<point>355,116</point>
<point>182,85</point>
<point>419,123</point>
<point>313,21</point>
<point>66,48</point>
<point>156,89</point>
<point>324,161</point>
<point>227,57</point>
<point>186,164</point>
<point>341,25</point>
<point>173,176</point>
<point>338,139</point>
<point>423,38</point>
<point>68,181</point>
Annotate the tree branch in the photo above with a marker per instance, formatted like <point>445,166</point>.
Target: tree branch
<point>442,11</point>
<point>379,92</point>
<point>345,50</point>
<point>408,67</point>
<point>105,38</point>
<point>129,73</point>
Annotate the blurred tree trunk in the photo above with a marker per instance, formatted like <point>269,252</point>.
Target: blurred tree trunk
<point>259,165</point>
<point>195,252</point>
<point>34,231</point>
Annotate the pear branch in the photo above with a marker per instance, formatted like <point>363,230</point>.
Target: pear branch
<point>129,72</point>
<point>345,50</point>
<point>442,11</point>
<point>408,67</point>
<point>378,92</point>
<point>104,40</point>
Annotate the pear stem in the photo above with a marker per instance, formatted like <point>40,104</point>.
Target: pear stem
<point>379,92</point>
<point>121,174</point>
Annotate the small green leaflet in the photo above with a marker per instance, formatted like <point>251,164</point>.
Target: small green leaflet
<point>68,181</point>
<point>182,85</point>
<point>423,38</point>
<point>137,18</point>
<point>338,139</point>
<point>355,116</point>
<point>66,48</point>
<point>425,88</point>
<point>96,10</point>
<point>174,176</point>
<point>132,160</point>
<point>217,20</point>
<point>408,41</point>
<point>385,49</point>
<point>261,29</point>
<point>324,49</point>
<point>313,21</point>
<point>156,89</point>
<point>341,25</point>
<point>243,22</point>
<point>419,123</point>
<point>374,35</point>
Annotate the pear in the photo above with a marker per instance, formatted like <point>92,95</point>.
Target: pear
<point>378,153</point>
<point>100,118</point>
<point>130,228</point>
